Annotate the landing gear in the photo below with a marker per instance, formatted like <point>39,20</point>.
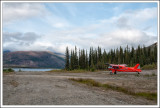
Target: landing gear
<point>138,73</point>
<point>113,72</point>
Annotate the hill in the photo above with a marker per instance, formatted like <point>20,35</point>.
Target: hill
<point>6,51</point>
<point>33,59</point>
<point>152,46</point>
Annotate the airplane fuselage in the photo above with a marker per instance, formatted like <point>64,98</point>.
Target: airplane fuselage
<point>120,68</point>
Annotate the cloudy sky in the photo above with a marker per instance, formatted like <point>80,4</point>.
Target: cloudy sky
<point>53,26</point>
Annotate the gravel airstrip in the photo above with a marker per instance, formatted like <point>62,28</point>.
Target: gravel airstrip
<point>55,88</point>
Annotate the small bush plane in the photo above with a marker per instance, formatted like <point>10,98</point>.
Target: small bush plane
<point>123,68</point>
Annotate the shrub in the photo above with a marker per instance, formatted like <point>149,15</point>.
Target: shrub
<point>90,82</point>
<point>8,70</point>
<point>148,67</point>
<point>92,69</point>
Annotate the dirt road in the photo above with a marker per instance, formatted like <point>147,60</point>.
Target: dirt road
<point>46,88</point>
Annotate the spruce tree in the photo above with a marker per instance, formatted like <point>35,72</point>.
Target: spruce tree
<point>76,58</point>
<point>71,61</point>
<point>87,63</point>
<point>155,54</point>
<point>121,55</point>
<point>67,59</point>
<point>90,56</point>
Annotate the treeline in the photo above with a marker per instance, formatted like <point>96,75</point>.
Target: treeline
<point>96,58</point>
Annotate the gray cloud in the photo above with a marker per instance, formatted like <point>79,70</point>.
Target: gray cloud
<point>113,39</point>
<point>17,39</point>
<point>124,37</point>
<point>123,22</point>
<point>59,41</point>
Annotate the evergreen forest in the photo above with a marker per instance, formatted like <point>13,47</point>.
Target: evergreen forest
<point>96,59</point>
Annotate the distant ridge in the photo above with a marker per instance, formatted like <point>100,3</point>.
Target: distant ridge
<point>6,51</point>
<point>33,59</point>
<point>152,46</point>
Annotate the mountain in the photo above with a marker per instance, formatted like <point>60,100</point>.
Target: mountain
<point>152,46</point>
<point>60,54</point>
<point>6,51</point>
<point>33,59</point>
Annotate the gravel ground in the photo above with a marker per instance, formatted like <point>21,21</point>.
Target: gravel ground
<point>53,88</point>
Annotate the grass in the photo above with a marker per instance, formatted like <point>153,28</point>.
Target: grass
<point>150,75</point>
<point>153,74</point>
<point>149,67</point>
<point>8,70</point>
<point>137,75</point>
<point>90,82</point>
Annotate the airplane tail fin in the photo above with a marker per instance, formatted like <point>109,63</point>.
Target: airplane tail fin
<point>137,66</point>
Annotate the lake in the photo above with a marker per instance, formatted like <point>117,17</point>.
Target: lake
<point>33,69</point>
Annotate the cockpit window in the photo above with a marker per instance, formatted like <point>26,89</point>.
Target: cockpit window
<point>110,67</point>
<point>115,67</point>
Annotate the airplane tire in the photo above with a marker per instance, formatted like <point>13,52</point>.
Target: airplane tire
<point>138,72</point>
<point>115,72</point>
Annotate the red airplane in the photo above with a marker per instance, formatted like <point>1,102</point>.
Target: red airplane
<point>122,68</point>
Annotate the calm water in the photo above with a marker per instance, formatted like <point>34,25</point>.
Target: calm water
<point>32,69</point>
